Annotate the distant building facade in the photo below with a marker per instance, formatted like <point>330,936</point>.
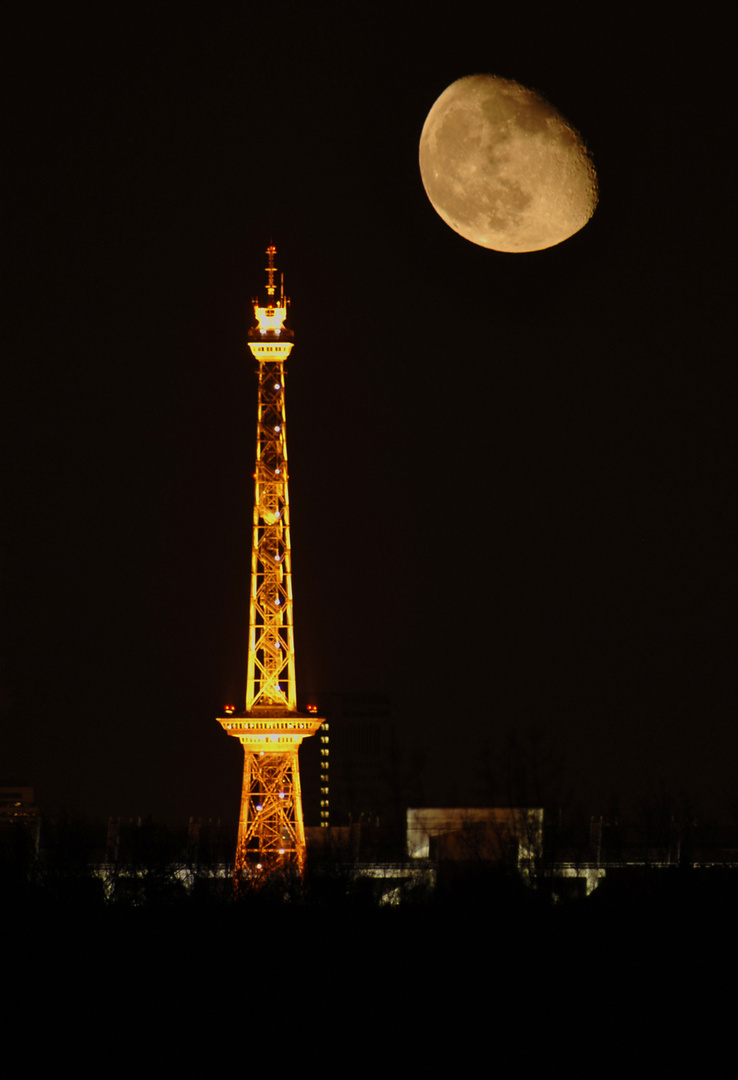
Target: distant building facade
<point>18,808</point>
<point>495,834</point>
<point>351,770</point>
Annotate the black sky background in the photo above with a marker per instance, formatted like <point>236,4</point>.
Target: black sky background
<point>512,476</point>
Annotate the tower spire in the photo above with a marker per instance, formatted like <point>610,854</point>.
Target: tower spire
<point>271,252</point>
<point>271,832</point>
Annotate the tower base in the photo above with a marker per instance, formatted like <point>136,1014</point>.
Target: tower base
<point>271,833</point>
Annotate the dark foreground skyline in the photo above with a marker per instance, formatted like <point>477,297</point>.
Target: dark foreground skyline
<point>511,475</point>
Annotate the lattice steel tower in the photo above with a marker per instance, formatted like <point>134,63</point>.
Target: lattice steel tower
<point>270,832</point>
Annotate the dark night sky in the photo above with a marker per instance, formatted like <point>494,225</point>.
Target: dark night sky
<point>512,476</point>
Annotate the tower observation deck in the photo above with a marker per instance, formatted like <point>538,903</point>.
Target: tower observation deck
<point>271,833</point>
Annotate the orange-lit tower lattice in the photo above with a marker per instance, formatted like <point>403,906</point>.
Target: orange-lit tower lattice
<point>271,833</point>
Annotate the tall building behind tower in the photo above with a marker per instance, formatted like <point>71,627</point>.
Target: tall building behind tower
<point>353,770</point>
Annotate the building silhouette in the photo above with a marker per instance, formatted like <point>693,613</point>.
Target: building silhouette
<point>18,810</point>
<point>352,778</point>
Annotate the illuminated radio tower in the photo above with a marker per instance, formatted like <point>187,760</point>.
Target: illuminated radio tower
<point>271,833</point>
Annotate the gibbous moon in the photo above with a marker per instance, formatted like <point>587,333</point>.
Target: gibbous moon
<point>503,168</point>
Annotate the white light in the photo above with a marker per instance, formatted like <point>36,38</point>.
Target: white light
<point>259,806</point>
<point>281,794</point>
<point>277,386</point>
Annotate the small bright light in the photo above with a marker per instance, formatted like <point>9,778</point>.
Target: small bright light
<point>259,806</point>
<point>281,794</point>
<point>278,427</point>
<point>277,386</point>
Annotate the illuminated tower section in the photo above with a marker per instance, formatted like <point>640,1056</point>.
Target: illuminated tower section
<point>271,833</point>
